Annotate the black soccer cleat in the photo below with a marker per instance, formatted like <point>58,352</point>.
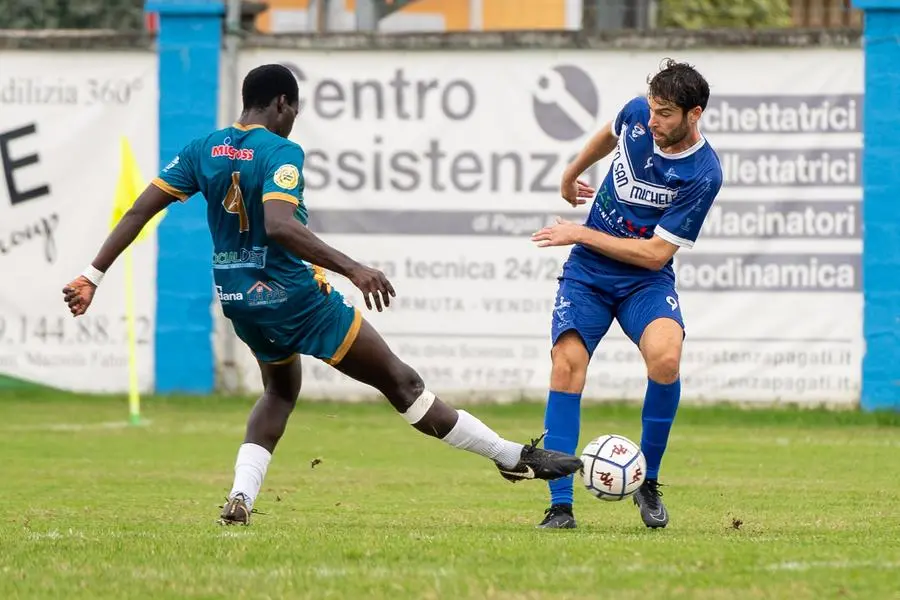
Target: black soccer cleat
<point>653,511</point>
<point>235,511</point>
<point>558,516</point>
<point>537,463</point>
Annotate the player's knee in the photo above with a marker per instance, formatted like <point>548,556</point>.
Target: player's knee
<point>660,345</point>
<point>406,385</point>
<point>282,393</point>
<point>663,365</point>
<point>569,369</point>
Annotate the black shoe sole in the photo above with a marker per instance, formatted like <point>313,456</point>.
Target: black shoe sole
<point>568,525</point>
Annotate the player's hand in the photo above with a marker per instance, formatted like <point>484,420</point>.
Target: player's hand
<point>374,282</point>
<point>78,295</point>
<point>561,233</point>
<point>576,192</point>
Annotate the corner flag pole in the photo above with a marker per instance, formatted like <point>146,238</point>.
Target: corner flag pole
<point>128,188</point>
<point>134,396</point>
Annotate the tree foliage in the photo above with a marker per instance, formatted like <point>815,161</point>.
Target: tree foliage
<point>71,14</point>
<point>703,14</point>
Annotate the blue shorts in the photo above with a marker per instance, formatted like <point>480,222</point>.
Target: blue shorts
<point>326,333</point>
<point>587,302</point>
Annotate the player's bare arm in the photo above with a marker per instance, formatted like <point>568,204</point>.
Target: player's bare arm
<point>79,293</point>
<point>283,228</point>
<point>574,190</point>
<point>651,253</point>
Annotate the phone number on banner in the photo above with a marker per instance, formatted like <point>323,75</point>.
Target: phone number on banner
<point>92,330</point>
<point>454,376</point>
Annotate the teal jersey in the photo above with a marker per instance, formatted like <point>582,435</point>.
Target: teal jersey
<point>237,169</point>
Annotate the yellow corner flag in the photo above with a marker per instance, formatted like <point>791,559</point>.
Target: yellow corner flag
<point>128,188</point>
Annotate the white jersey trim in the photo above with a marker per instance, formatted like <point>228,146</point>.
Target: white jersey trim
<point>672,238</point>
<point>684,153</point>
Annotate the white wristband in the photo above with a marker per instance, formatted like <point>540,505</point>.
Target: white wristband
<point>93,275</point>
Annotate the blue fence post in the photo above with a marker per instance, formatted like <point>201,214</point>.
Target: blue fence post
<point>881,219</point>
<point>189,43</point>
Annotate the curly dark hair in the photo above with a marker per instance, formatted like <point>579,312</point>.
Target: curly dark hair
<point>680,84</point>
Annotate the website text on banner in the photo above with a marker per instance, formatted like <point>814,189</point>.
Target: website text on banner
<point>438,168</point>
<point>62,119</point>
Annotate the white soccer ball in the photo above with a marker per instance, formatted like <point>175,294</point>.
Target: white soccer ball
<point>614,467</point>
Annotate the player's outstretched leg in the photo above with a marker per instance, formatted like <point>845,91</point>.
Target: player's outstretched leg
<point>371,361</point>
<point>265,426</point>
<point>562,421</point>
<point>660,346</point>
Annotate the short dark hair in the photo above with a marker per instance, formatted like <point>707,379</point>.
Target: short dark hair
<point>680,84</point>
<point>265,83</point>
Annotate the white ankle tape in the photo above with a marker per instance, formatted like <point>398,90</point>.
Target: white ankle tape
<point>417,409</point>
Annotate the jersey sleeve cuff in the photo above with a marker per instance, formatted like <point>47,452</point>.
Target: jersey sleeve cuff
<point>672,238</point>
<point>169,189</point>
<point>280,196</point>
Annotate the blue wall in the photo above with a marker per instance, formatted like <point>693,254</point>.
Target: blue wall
<point>189,43</point>
<point>881,182</point>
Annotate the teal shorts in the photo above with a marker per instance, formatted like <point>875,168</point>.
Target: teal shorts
<point>326,334</point>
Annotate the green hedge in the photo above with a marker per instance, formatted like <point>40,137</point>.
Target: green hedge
<point>72,14</point>
<point>703,14</point>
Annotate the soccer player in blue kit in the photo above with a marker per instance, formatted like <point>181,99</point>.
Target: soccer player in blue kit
<point>661,184</point>
<point>269,273</point>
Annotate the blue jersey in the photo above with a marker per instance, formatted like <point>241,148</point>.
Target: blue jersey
<point>647,192</point>
<point>237,169</point>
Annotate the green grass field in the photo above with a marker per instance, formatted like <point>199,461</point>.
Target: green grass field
<point>764,504</point>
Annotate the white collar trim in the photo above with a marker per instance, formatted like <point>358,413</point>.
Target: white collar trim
<point>684,153</point>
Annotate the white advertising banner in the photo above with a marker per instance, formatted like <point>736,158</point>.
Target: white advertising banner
<point>62,117</point>
<point>437,167</point>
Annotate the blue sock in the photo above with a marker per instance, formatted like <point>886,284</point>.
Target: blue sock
<point>660,405</point>
<point>562,420</point>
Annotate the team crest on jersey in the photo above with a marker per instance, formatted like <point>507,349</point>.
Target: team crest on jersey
<point>287,177</point>
<point>637,131</point>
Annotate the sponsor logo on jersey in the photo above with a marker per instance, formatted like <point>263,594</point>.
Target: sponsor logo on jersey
<point>254,258</point>
<point>671,174</point>
<point>622,227</point>
<point>225,297</point>
<point>174,162</point>
<point>263,293</point>
<point>631,190</point>
<point>226,150</point>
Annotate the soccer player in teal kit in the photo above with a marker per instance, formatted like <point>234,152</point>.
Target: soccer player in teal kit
<point>661,184</point>
<point>269,274</point>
